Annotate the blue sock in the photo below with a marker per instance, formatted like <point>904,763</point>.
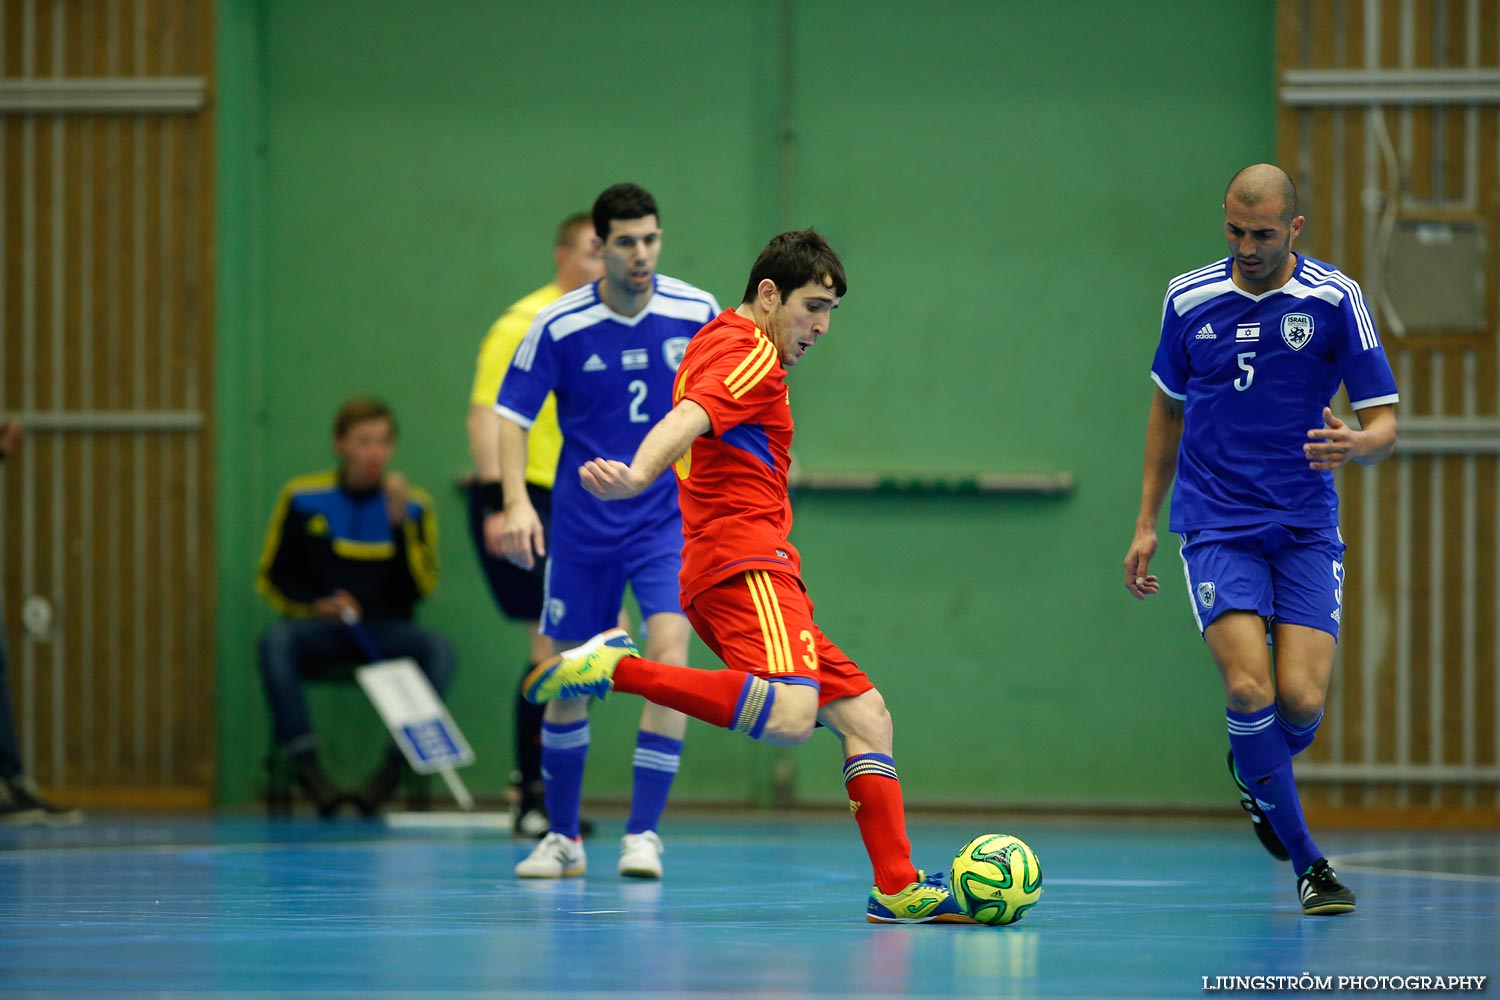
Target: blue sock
<point>753,709</point>
<point>1265,765</point>
<point>657,758</point>
<point>564,749</point>
<point>1297,740</point>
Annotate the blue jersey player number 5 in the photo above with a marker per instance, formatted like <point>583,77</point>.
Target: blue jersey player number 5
<point>1254,373</point>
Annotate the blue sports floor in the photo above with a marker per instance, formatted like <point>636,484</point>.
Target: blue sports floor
<point>751,906</point>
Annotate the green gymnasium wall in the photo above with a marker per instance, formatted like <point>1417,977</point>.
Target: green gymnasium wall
<point>1011,185</point>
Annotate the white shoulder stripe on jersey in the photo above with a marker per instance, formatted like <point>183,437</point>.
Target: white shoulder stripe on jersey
<point>579,298</point>
<point>1192,297</point>
<point>695,310</point>
<point>1362,404</point>
<point>1302,290</point>
<point>1367,336</point>
<point>569,300</point>
<point>526,349</point>
<point>582,319</point>
<point>681,289</point>
<point>1163,387</point>
<point>512,415</point>
<point>1217,268</point>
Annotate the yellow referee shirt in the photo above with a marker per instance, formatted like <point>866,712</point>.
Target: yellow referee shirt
<point>544,440</point>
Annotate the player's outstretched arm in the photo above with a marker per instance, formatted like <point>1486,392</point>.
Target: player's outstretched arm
<point>1163,434</point>
<point>1336,443</point>
<point>664,444</point>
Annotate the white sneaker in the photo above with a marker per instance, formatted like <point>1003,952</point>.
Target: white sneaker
<point>555,856</point>
<point>640,855</point>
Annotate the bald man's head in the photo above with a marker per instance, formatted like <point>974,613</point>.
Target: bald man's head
<point>1264,183</point>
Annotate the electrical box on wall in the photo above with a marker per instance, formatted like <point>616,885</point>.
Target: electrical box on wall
<point>1435,275</point>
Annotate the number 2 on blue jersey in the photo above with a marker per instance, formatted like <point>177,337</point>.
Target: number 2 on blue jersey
<point>637,388</point>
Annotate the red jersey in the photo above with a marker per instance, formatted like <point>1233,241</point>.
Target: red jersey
<point>732,483</point>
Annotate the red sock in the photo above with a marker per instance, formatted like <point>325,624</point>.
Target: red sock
<point>707,695</point>
<point>875,799</point>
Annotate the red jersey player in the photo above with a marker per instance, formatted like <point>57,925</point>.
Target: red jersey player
<point>729,435</point>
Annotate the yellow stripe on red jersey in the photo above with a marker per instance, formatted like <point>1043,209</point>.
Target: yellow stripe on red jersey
<point>756,366</point>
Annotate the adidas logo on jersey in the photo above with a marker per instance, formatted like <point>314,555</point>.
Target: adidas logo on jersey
<point>594,364</point>
<point>1207,333</point>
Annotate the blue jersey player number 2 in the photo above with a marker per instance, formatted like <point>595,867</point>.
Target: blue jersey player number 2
<point>609,351</point>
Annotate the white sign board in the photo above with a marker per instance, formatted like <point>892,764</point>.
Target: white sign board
<point>415,715</point>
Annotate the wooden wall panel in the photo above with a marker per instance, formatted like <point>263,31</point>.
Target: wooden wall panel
<point>1417,680</point>
<point>106,299</point>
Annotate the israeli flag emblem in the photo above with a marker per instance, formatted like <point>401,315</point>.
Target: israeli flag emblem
<point>672,351</point>
<point>1206,594</point>
<point>1296,330</point>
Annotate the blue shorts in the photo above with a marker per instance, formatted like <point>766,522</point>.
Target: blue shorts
<point>582,598</point>
<point>1292,575</point>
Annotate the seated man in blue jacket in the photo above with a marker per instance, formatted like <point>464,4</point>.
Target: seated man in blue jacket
<point>353,545</point>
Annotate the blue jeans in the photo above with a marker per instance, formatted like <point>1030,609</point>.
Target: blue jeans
<point>295,648</point>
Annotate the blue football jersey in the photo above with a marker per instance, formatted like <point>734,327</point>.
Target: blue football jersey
<point>613,378</point>
<point>1254,372</point>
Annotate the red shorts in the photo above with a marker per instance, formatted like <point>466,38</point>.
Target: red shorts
<point>761,622</point>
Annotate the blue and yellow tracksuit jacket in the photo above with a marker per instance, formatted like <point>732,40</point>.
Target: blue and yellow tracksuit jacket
<point>324,537</point>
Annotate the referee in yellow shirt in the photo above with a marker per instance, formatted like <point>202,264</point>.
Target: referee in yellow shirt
<point>519,591</point>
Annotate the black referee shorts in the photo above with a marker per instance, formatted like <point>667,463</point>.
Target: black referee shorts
<point>517,591</point>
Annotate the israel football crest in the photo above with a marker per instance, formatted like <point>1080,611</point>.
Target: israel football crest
<point>1206,594</point>
<point>672,351</point>
<point>1296,330</point>
<point>556,610</point>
